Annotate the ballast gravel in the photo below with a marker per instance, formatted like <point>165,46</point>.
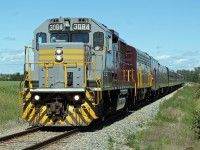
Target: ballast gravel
<point>113,136</point>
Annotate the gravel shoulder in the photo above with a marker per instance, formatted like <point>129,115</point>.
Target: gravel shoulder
<point>12,127</point>
<point>101,139</point>
<point>114,135</point>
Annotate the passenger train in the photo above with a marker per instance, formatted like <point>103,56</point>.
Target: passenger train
<point>83,71</point>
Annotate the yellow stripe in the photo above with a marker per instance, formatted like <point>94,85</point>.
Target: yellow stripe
<point>71,57</point>
<point>70,120</point>
<point>28,96</point>
<point>52,120</point>
<point>31,115</point>
<point>60,120</point>
<point>71,109</point>
<point>43,109</point>
<point>65,51</point>
<point>87,119</point>
<point>90,110</point>
<point>43,119</point>
<point>88,95</point>
<point>26,111</point>
<point>75,64</point>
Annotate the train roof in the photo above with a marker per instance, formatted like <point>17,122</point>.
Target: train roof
<point>76,19</point>
<point>142,53</point>
<point>102,26</point>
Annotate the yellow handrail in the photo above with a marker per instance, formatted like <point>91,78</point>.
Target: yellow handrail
<point>65,64</point>
<point>47,74</point>
<point>65,75</point>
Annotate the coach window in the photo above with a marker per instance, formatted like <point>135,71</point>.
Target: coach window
<point>80,37</point>
<point>98,40</point>
<point>40,38</point>
<point>59,37</point>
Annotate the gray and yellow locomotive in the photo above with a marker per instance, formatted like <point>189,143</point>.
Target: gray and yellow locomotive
<point>83,71</point>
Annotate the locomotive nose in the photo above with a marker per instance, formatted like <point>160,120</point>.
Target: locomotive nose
<point>62,65</point>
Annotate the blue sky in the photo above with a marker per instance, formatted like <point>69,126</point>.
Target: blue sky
<point>168,30</point>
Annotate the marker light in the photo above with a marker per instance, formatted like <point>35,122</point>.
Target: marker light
<point>76,97</point>
<point>36,97</point>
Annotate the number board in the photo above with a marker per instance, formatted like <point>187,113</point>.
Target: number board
<point>81,26</point>
<point>56,27</point>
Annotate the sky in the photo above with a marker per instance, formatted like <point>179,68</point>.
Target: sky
<point>168,30</point>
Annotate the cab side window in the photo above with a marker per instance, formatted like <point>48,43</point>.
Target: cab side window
<point>98,40</point>
<point>40,38</point>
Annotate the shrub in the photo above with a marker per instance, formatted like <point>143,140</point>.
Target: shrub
<point>197,90</point>
<point>196,123</point>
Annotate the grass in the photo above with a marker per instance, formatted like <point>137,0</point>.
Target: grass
<point>172,127</point>
<point>10,110</point>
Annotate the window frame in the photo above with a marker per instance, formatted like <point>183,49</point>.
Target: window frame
<point>37,39</point>
<point>100,41</point>
<point>67,40</point>
<point>88,37</point>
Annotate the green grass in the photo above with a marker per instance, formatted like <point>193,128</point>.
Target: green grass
<point>172,127</point>
<point>10,110</point>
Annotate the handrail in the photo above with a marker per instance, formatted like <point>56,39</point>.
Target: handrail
<point>64,64</point>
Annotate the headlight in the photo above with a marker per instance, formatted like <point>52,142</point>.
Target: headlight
<point>37,97</point>
<point>76,97</point>
<point>59,58</point>
<point>59,51</point>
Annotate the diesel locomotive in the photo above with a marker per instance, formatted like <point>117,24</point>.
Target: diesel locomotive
<point>82,70</point>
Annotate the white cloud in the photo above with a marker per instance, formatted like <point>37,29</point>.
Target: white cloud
<point>12,60</point>
<point>163,57</point>
<point>11,56</point>
<point>180,61</point>
<point>8,38</point>
<point>191,53</point>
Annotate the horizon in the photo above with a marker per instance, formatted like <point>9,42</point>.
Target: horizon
<point>169,30</point>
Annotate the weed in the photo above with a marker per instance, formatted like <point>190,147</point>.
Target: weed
<point>110,143</point>
<point>196,123</point>
<point>10,110</point>
<point>171,127</point>
<point>197,90</point>
<point>132,141</point>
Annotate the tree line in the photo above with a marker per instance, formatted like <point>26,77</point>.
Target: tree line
<point>189,75</point>
<point>11,77</point>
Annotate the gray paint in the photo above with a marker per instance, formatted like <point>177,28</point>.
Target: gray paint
<point>103,59</point>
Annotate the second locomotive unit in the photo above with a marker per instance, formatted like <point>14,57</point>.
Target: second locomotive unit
<point>83,71</point>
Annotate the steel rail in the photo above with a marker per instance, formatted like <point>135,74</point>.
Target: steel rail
<point>19,134</point>
<point>53,140</point>
<point>72,132</point>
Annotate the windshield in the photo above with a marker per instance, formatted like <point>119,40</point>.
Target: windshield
<point>57,36</point>
<point>80,37</point>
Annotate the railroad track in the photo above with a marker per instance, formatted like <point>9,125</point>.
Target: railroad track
<point>22,133</point>
<point>33,139</point>
<point>36,138</point>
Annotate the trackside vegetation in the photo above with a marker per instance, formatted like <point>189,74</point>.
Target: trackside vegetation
<point>176,126</point>
<point>10,110</point>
